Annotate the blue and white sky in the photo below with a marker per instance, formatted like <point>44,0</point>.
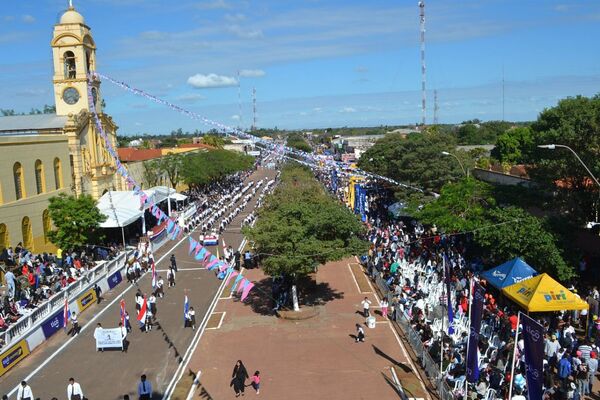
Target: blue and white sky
<point>314,63</point>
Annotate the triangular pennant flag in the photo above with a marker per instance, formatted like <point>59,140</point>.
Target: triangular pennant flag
<point>212,264</point>
<point>233,273</point>
<point>193,245</point>
<point>247,290</point>
<point>242,285</point>
<point>170,226</point>
<point>198,248</point>
<point>237,280</point>
<point>223,266</point>
<point>213,258</point>
<point>200,255</point>
<point>206,256</point>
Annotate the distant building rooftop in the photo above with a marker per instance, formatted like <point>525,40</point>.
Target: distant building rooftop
<point>130,154</point>
<point>27,124</point>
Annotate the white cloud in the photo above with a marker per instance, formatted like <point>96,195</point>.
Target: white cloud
<point>252,73</point>
<point>348,110</point>
<point>245,33</point>
<point>235,117</point>
<point>238,17</point>
<point>211,81</point>
<point>28,19</point>
<point>317,109</point>
<point>190,98</point>
<point>213,5</point>
<point>361,69</point>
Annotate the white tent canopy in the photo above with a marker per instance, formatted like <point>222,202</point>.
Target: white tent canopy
<point>124,207</point>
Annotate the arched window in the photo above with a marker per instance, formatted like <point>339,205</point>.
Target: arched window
<point>57,174</point>
<point>40,182</point>
<point>3,237</point>
<point>70,70</point>
<point>87,61</point>
<point>27,235</point>
<point>46,224</point>
<point>19,181</point>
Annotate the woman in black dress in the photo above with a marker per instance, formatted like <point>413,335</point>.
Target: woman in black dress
<point>239,377</point>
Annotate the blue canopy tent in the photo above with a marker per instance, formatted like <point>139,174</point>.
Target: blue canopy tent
<point>509,273</point>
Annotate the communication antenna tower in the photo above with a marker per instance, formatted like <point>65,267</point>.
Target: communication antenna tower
<point>254,108</point>
<point>423,75</point>
<point>435,107</point>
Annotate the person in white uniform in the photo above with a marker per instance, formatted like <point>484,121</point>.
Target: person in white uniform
<point>74,391</point>
<point>24,392</point>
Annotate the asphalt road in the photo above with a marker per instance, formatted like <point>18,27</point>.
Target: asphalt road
<point>109,375</point>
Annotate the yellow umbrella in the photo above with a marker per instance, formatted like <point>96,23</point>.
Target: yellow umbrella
<point>542,293</point>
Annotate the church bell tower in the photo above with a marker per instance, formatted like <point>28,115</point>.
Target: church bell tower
<point>74,55</point>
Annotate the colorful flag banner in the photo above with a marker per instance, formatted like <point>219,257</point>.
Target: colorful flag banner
<point>447,273</point>
<point>193,245</point>
<point>66,314</point>
<point>122,311</point>
<point>235,283</point>
<point>233,274</point>
<point>478,294</point>
<point>141,317</point>
<point>186,308</point>
<point>533,335</point>
<point>247,288</point>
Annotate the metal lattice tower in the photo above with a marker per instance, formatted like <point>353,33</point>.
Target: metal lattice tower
<point>435,108</point>
<point>254,108</point>
<point>423,74</point>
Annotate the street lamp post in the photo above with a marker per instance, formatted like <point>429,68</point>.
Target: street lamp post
<point>445,153</point>
<point>554,146</point>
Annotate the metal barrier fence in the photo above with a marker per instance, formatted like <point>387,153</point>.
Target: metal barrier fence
<point>431,368</point>
<point>57,301</point>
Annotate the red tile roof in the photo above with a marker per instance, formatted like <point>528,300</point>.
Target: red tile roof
<point>131,154</point>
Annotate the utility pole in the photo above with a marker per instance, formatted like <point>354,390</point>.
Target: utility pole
<point>423,75</point>
<point>254,108</point>
<point>239,101</point>
<point>435,107</point>
<point>502,92</point>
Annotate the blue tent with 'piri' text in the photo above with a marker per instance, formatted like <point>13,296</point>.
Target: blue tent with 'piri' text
<point>509,273</point>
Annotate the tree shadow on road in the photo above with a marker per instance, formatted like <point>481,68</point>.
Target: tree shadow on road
<point>310,293</point>
<point>168,340</point>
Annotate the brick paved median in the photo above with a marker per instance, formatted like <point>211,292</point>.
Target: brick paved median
<point>315,358</point>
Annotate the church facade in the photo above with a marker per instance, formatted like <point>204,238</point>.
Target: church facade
<point>44,155</point>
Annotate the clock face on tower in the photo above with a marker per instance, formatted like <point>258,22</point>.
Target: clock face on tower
<point>71,95</point>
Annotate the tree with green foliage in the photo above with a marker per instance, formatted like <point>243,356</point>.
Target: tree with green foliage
<point>152,172</point>
<point>462,206</point>
<point>415,160</point>
<point>516,233</point>
<point>171,164</point>
<point>213,140</point>
<point>514,145</point>
<point>573,122</point>
<point>301,226</point>
<point>199,169</point>
<point>297,141</point>
<point>77,220</point>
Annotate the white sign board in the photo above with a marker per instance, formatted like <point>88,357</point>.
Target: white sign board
<point>109,338</point>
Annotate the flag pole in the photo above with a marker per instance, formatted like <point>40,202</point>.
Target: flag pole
<point>442,331</point>
<point>471,287</point>
<point>512,368</point>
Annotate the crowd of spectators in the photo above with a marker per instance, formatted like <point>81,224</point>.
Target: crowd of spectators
<point>408,261</point>
<point>31,279</point>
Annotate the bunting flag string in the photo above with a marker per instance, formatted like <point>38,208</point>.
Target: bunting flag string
<point>247,290</point>
<point>316,159</point>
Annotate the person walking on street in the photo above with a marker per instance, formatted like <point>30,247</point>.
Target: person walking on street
<point>144,389</point>
<point>190,318</point>
<point>98,293</point>
<point>384,308</point>
<point>256,382</point>
<point>366,303</point>
<point>97,333</point>
<point>74,324</point>
<point>74,391</point>
<point>360,333</point>
<point>171,277</point>
<point>173,262</point>
<point>239,377</point>
<point>24,392</point>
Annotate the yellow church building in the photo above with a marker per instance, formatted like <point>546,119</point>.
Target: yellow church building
<point>44,155</point>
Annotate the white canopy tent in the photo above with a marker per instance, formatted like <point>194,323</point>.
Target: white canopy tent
<point>124,207</point>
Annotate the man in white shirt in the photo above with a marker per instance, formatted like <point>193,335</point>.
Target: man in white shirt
<point>97,333</point>
<point>24,392</point>
<point>366,303</point>
<point>74,391</point>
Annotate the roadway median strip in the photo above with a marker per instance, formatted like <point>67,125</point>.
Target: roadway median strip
<point>215,320</point>
<point>359,277</point>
